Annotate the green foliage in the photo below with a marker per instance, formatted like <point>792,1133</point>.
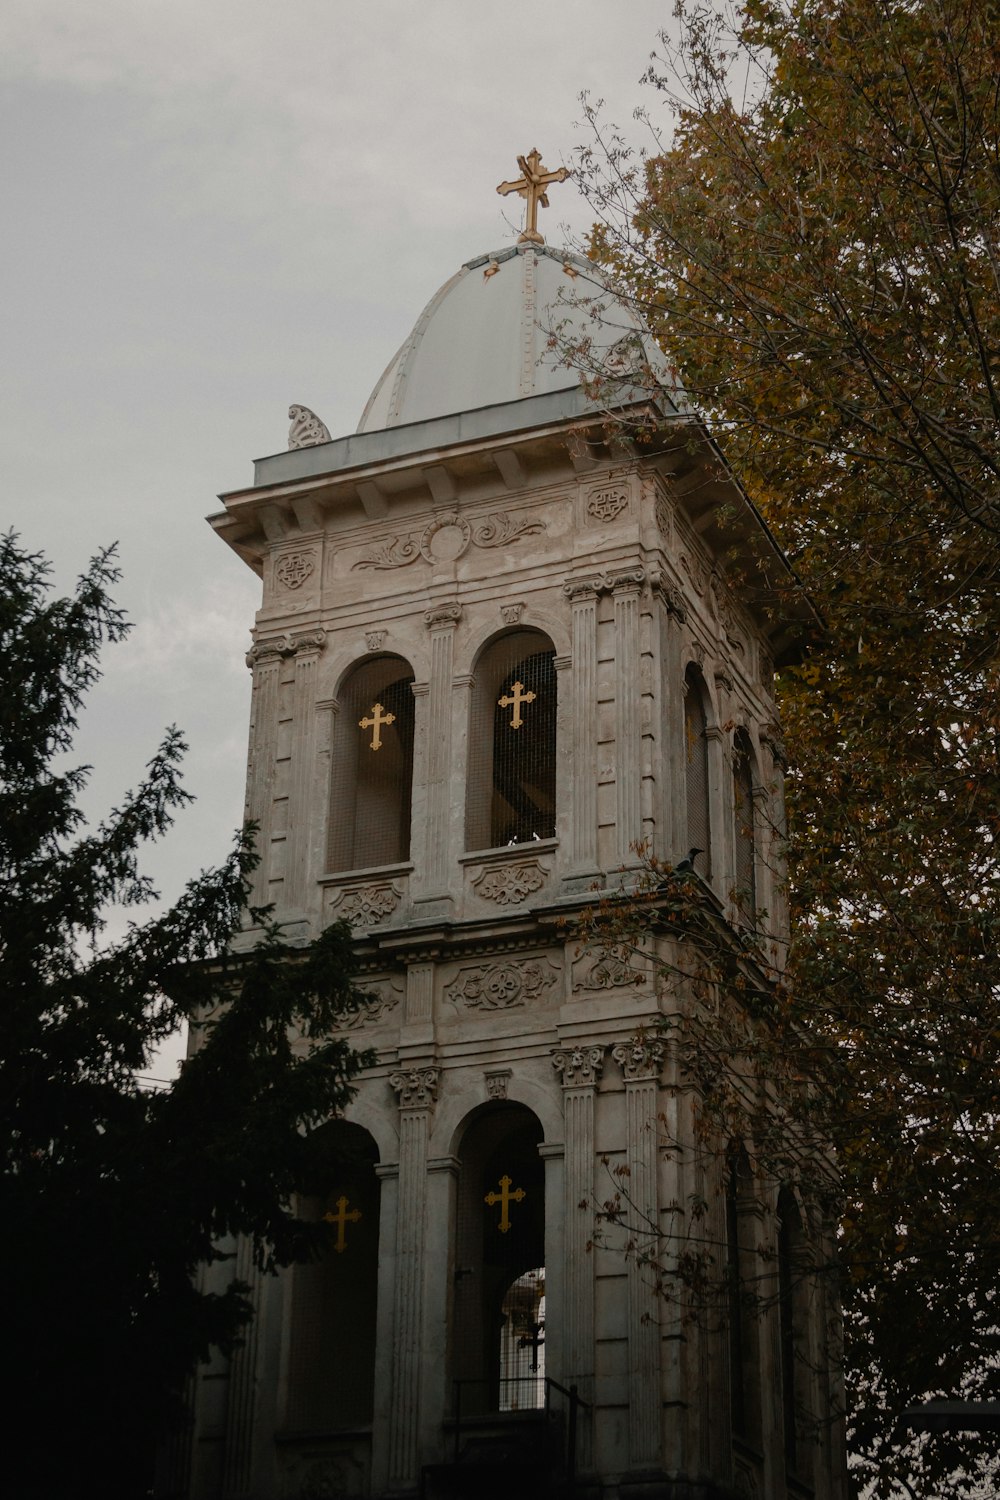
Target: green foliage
<point>816,250</point>
<point>113,1196</point>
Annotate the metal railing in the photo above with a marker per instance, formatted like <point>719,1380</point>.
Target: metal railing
<point>546,1411</point>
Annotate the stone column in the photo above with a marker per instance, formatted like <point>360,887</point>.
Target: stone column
<point>640,1060</point>
<point>301,819</point>
<point>580,1071</point>
<point>238,1470</point>
<point>628,712</point>
<point>264,658</point>
<point>417,1090</point>
<point>582,594</point>
<point>441,621</point>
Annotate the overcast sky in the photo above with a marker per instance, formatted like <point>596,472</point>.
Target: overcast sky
<point>214,208</point>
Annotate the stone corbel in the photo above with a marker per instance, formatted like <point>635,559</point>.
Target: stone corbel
<point>579,1066</point>
<point>661,586</point>
<point>417,1087</point>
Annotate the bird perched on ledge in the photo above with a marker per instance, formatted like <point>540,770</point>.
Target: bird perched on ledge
<point>685,866</point>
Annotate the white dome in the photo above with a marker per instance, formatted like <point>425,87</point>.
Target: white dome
<point>484,338</point>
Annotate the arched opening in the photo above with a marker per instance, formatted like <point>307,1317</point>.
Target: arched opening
<point>331,1363</point>
<point>793,1318</point>
<point>699,823</point>
<point>743,1295</point>
<point>744,815</point>
<point>498,1322</point>
<point>511,789</point>
<point>372,768</point>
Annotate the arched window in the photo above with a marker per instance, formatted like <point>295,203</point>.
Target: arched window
<point>372,769</point>
<point>743,809</point>
<point>334,1297</point>
<point>793,1313</point>
<point>511,789</point>
<point>743,1298</point>
<point>699,827</point>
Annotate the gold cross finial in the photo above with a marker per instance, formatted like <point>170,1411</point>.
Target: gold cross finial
<point>531,185</point>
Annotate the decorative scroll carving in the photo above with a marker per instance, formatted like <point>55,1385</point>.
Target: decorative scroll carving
<point>604,583</point>
<point>292,570</point>
<point>725,609</point>
<point>446,538</point>
<point>765,671</point>
<point>771,735</point>
<point>696,571</point>
<point>367,905</point>
<point>580,588</point>
<point>508,885</point>
<point>443,614</point>
<point>499,529</point>
<point>306,430</point>
<point>501,986</point>
<point>286,645</point>
<point>417,1087</point>
<point>639,1057</point>
<point>626,579</point>
<point>662,511</point>
<point>607,502</point>
<point>383,995</point>
<point>511,613</point>
<point>670,594</point>
<point>579,1065</point>
<point>375,639</point>
<point>395,552</point>
<point>607,969</point>
<point>497,1083</point>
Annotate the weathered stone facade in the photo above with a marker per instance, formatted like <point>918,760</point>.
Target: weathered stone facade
<point>428,544</point>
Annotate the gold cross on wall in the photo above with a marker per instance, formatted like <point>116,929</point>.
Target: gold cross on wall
<point>519,697</point>
<point>531,185</point>
<point>341,1218</point>
<point>375,723</point>
<point>505,1198</point>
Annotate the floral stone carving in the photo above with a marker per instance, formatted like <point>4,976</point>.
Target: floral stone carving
<point>381,997</point>
<point>447,537</point>
<point>579,1065</point>
<point>510,884</point>
<point>417,1087</point>
<point>367,905</point>
<point>608,969</point>
<point>501,986</point>
<point>640,1057</point>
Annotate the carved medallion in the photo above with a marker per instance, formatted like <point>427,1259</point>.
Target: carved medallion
<point>501,986</point>
<point>367,905</point>
<point>510,884</point>
<point>446,538</point>
<point>607,969</point>
<point>292,570</point>
<point>606,503</point>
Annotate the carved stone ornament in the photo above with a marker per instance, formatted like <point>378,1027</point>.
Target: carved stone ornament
<point>696,571</point>
<point>375,639</point>
<point>367,905</point>
<point>383,996</point>
<point>579,1065</point>
<point>292,570</point>
<point>417,1087</point>
<point>765,670</point>
<point>286,645</point>
<point>306,430</point>
<point>607,502</point>
<point>511,613</point>
<point>497,1083</point>
<point>628,578</point>
<point>447,614</point>
<point>447,537</point>
<point>501,986</point>
<point>607,969</point>
<point>671,596</point>
<point>510,884</point>
<point>583,588</point>
<point>639,1057</point>
<point>771,735</point>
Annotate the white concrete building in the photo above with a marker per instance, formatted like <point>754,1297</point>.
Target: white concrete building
<point>496,649</point>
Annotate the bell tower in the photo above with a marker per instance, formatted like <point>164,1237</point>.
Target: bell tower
<point>499,648</point>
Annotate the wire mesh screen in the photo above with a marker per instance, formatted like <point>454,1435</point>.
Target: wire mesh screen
<point>746,881</point>
<point>522,1343</point>
<point>372,769</point>
<point>696,769</point>
<point>512,750</point>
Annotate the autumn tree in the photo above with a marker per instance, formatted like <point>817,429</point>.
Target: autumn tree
<point>112,1196</point>
<point>816,247</point>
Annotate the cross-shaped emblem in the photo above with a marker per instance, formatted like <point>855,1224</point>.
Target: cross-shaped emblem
<point>505,1198</point>
<point>531,185</point>
<point>342,1218</point>
<point>519,697</point>
<point>378,718</point>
